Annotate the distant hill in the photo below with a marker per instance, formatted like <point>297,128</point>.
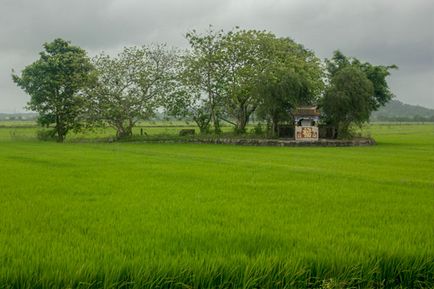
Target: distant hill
<point>396,110</point>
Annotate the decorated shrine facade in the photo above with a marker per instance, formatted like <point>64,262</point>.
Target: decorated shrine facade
<point>306,123</point>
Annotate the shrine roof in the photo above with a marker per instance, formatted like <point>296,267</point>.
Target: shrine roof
<point>306,111</point>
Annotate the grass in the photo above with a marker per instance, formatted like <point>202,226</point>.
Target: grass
<point>26,130</point>
<point>131,215</point>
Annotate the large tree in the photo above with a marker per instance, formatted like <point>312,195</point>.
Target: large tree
<point>358,110</point>
<point>131,86</point>
<point>348,99</point>
<point>293,76</point>
<point>245,58</point>
<point>258,65</point>
<point>279,96</point>
<point>202,76</point>
<point>187,100</point>
<point>55,83</point>
<point>222,75</point>
<point>377,74</point>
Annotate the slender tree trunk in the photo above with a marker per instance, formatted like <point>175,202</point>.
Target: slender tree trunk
<point>241,123</point>
<point>59,130</point>
<point>216,122</point>
<point>242,119</point>
<point>123,132</point>
<point>343,129</point>
<point>202,124</point>
<point>275,127</point>
<point>60,137</point>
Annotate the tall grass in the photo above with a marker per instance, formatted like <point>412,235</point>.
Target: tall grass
<point>126,215</point>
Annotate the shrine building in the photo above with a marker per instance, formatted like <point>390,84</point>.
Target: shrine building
<point>306,123</point>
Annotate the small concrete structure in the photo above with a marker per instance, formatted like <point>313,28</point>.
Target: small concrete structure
<point>306,123</point>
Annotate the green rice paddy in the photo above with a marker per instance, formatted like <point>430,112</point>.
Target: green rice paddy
<point>135,215</point>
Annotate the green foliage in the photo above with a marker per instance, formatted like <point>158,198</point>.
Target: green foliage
<point>131,86</point>
<point>223,74</point>
<point>134,215</point>
<point>55,83</point>
<point>352,98</point>
<point>263,68</point>
<point>245,57</point>
<point>377,74</point>
<point>46,134</point>
<point>348,99</point>
<point>279,97</point>
<point>258,129</point>
<point>202,76</point>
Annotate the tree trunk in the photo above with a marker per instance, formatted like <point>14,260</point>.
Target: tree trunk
<point>202,124</point>
<point>124,128</point>
<point>242,120</point>
<point>274,127</point>
<point>216,123</point>
<point>124,132</point>
<point>343,129</point>
<point>60,131</point>
<point>60,138</point>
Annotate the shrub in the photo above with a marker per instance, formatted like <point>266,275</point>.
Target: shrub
<point>46,134</point>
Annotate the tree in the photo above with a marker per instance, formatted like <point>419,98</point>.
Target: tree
<point>203,77</point>
<point>131,86</point>
<point>222,73</point>
<point>55,83</point>
<point>348,99</point>
<point>259,58</point>
<point>292,77</point>
<point>244,60</point>
<point>279,97</point>
<point>377,74</point>
<point>358,109</point>
<point>187,101</point>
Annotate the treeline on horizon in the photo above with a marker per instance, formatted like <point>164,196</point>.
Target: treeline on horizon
<point>415,118</point>
<point>161,117</point>
<point>224,77</point>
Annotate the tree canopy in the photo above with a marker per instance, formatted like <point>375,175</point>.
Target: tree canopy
<point>55,83</point>
<point>348,99</point>
<point>377,74</point>
<point>346,103</point>
<point>225,74</point>
<point>222,77</point>
<point>131,86</point>
<point>200,83</point>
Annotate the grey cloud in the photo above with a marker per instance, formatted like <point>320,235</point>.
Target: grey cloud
<point>379,31</point>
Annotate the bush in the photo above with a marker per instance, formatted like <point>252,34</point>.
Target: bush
<point>46,134</point>
<point>258,129</point>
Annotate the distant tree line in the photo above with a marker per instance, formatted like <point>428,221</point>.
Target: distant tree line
<point>415,118</point>
<point>224,77</point>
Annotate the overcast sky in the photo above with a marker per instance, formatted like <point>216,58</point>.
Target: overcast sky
<point>386,32</point>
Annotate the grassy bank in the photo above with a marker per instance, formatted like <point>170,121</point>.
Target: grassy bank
<point>131,215</point>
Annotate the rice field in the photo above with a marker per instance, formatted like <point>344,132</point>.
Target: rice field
<point>135,215</point>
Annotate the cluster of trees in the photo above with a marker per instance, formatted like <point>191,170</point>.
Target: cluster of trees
<point>355,90</point>
<point>223,77</point>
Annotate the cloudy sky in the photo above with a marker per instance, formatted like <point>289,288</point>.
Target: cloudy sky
<point>397,32</point>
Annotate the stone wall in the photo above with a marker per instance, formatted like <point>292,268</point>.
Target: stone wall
<point>278,142</point>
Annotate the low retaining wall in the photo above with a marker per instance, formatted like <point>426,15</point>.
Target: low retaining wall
<point>277,142</point>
